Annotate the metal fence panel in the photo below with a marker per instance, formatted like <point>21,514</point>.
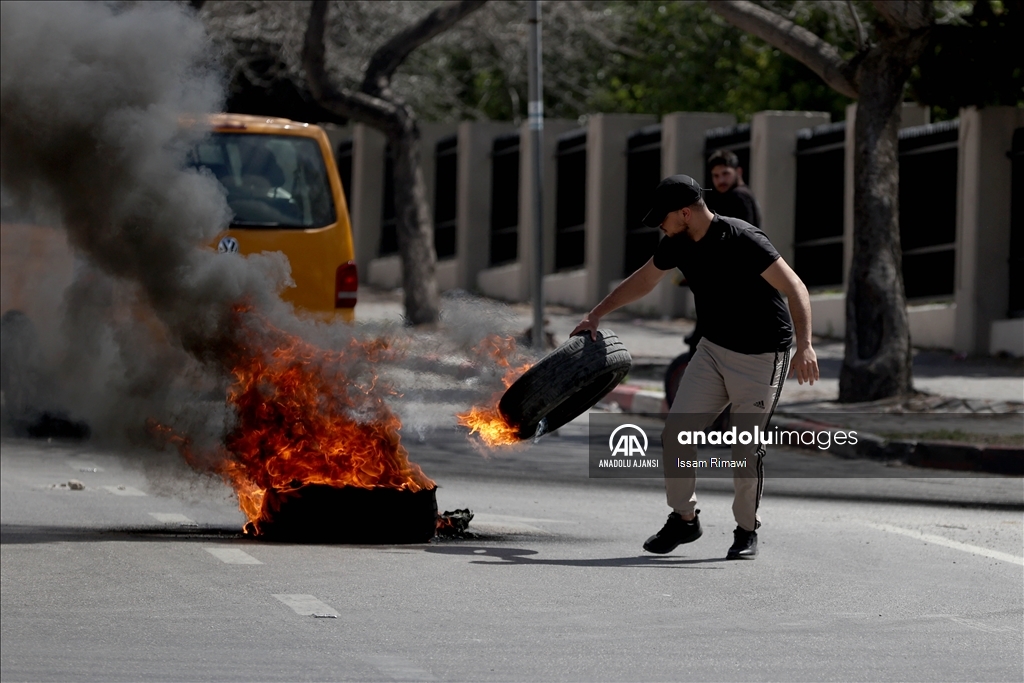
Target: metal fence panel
<point>927,199</point>
<point>571,200</point>
<point>446,182</point>
<point>643,173</point>
<point>820,188</point>
<point>504,199</point>
<point>1016,308</point>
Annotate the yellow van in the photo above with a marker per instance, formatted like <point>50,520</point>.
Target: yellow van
<point>285,195</point>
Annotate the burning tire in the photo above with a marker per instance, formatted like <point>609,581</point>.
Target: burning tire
<point>566,383</point>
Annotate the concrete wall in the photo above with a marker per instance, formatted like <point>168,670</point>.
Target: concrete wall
<point>367,194</point>
<point>773,171</point>
<point>473,215</point>
<point>513,281</point>
<point>682,151</point>
<point>1007,336</point>
<point>386,271</point>
<point>983,223</point>
<point>931,325</point>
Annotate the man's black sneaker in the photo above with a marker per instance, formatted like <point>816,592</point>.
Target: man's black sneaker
<point>674,533</point>
<point>744,545</point>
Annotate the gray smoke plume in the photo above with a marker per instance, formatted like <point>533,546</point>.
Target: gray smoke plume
<point>98,107</point>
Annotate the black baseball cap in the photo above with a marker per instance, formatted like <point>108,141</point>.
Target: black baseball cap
<point>673,193</point>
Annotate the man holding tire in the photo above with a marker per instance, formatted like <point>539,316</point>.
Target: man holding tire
<point>737,278</point>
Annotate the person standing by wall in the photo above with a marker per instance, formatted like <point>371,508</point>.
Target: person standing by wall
<point>731,197</point>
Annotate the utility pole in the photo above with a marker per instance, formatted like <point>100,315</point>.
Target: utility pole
<point>535,110</point>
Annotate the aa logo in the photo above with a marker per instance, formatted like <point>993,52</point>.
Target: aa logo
<point>628,441</point>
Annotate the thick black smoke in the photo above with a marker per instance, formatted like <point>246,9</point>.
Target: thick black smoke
<point>98,107</point>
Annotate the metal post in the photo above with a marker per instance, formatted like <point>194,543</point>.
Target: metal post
<point>536,126</point>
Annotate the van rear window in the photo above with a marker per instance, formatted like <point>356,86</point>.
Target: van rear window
<point>272,181</point>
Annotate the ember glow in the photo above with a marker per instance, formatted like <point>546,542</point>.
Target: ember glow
<point>301,419</point>
<point>487,422</point>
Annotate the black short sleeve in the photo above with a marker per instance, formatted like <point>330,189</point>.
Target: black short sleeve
<point>754,251</point>
<point>666,256</point>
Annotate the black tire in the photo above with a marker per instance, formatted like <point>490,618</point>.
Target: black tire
<point>566,383</point>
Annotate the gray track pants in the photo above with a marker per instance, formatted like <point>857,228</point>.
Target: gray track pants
<point>714,378</point>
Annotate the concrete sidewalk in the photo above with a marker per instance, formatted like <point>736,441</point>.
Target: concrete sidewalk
<point>941,426</point>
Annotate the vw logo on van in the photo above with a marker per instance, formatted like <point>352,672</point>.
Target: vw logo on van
<point>228,245</point>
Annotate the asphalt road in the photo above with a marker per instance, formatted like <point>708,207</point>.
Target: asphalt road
<point>143,575</point>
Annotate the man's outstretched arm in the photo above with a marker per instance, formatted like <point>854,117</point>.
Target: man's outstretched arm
<point>629,290</point>
<point>780,276</point>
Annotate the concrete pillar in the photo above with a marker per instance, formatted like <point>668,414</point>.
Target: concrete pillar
<point>474,198</point>
<point>773,171</point>
<point>552,129</point>
<point>682,141</point>
<point>605,239</point>
<point>912,114</point>
<point>983,223</point>
<point>682,151</point>
<point>367,193</point>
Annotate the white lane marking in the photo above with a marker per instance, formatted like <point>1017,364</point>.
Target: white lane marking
<point>85,466</point>
<point>980,625</point>
<point>172,518</point>
<point>949,543</point>
<point>306,605</point>
<point>232,556</point>
<point>123,490</point>
<point>398,669</point>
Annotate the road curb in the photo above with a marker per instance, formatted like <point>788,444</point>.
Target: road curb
<point>945,455</point>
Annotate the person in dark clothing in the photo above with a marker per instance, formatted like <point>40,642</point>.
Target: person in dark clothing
<point>731,198</point>
<point>738,280</point>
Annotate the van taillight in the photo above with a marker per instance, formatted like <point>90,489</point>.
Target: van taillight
<point>346,285</point>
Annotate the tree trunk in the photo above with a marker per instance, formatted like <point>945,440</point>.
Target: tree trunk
<point>415,227</point>
<point>877,363</point>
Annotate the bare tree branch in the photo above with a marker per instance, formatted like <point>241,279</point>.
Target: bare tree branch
<point>820,56</point>
<point>906,15</point>
<point>391,55</point>
<point>859,27</point>
<point>356,105</point>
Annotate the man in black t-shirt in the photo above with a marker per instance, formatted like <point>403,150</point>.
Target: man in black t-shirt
<point>731,197</point>
<point>736,276</point>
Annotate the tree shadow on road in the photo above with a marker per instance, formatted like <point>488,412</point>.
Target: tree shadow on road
<point>522,556</point>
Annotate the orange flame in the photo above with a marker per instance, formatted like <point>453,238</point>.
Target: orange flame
<point>301,419</point>
<point>487,422</point>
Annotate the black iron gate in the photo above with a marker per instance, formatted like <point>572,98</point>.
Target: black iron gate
<point>504,199</point>
<point>643,172</point>
<point>446,182</point>
<point>736,139</point>
<point>820,187</point>
<point>1016,308</point>
<point>388,225</point>
<point>928,188</point>
<point>343,156</point>
<point>571,200</point>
